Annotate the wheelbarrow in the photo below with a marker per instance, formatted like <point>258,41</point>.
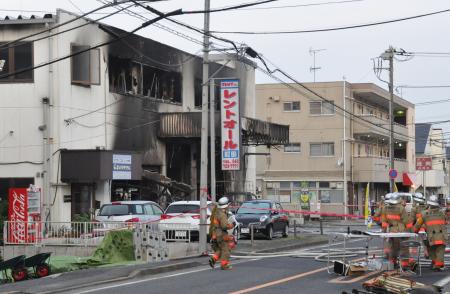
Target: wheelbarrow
<point>17,267</point>
<point>39,263</point>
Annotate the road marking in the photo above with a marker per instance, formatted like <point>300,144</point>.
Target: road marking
<point>152,279</point>
<point>341,280</point>
<point>442,282</point>
<point>279,281</point>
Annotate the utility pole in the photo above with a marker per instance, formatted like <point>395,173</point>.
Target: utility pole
<point>212,136</point>
<point>314,68</point>
<point>389,55</point>
<point>204,135</point>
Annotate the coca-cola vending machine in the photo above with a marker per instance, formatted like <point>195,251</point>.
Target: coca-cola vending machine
<point>24,212</point>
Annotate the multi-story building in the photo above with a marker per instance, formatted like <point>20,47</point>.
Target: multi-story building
<point>430,143</point>
<point>333,154</point>
<point>120,121</point>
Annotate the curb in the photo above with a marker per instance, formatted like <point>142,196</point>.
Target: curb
<point>284,248</point>
<point>133,274</point>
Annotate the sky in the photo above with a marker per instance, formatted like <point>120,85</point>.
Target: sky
<point>348,53</point>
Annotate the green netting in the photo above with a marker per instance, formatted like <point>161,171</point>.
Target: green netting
<point>116,247</point>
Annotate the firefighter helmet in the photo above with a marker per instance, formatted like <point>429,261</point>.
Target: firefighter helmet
<point>223,202</point>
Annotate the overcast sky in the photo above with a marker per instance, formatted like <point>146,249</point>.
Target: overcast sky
<point>348,53</point>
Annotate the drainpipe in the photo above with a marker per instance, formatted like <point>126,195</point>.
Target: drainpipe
<point>48,133</point>
<point>344,152</point>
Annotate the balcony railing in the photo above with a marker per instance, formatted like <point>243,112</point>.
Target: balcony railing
<point>378,126</point>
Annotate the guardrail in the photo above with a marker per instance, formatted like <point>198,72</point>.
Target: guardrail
<point>59,233</point>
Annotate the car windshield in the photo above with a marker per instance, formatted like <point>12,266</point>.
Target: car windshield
<point>111,209</point>
<point>254,208</point>
<point>183,208</point>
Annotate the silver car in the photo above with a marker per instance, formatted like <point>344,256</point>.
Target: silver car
<point>129,211</point>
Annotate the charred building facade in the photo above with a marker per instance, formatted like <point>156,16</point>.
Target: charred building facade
<point>117,122</point>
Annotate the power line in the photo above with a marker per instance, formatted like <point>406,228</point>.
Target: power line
<point>146,24</point>
<point>422,86</point>
<point>302,5</point>
<point>332,29</point>
<point>70,29</point>
<point>432,102</point>
<point>59,25</point>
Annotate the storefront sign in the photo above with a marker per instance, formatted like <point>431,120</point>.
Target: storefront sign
<point>230,124</point>
<point>423,163</point>
<point>121,167</point>
<point>34,201</point>
<point>18,215</point>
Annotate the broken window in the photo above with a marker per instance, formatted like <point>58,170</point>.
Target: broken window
<point>127,76</point>
<point>16,58</point>
<point>85,66</point>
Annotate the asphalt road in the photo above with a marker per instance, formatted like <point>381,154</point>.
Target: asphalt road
<point>288,274</point>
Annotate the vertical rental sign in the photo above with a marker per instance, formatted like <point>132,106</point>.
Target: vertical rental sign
<point>230,124</point>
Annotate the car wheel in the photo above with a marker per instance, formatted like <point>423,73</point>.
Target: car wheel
<point>286,231</point>
<point>269,233</point>
<point>237,234</point>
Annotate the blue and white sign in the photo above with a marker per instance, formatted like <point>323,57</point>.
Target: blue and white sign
<point>121,167</point>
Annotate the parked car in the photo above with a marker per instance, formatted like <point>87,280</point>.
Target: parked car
<point>266,216</point>
<point>237,198</point>
<point>181,220</point>
<point>129,211</point>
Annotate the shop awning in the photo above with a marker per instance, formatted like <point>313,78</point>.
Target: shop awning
<point>409,179</point>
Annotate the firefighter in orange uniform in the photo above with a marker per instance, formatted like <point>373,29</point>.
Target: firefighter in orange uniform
<point>395,220</point>
<point>378,212</point>
<point>221,225</point>
<point>434,222</point>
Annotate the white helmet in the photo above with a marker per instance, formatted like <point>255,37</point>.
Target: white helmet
<point>392,198</point>
<point>433,201</point>
<point>223,202</point>
<point>418,197</point>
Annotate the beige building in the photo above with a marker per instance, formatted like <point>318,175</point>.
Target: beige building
<point>309,171</point>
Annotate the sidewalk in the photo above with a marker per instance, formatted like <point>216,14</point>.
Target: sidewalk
<point>72,280</point>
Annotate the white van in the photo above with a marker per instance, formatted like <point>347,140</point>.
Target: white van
<point>408,198</point>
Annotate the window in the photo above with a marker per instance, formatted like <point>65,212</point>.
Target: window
<point>291,106</point>
<point>292,147</point>
<point>85,66</point>
<point>16,58</point>
<point>321,149</point>
<point>321,108</point>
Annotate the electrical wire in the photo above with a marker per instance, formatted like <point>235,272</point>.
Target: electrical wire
<point>144,25</point>
<point>68,30</point>
<point>332,29</point>
<point>301,5</point>
<point>432,102</point>
<point>58,25</point>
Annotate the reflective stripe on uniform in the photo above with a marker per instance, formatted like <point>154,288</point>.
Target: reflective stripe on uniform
<point>393,216</point>
<point>438,242</point>
<point>385,225</point>
<point>418,215</point>
<point>435,222</point>
<point>438,263</point>
<point>410,225</point>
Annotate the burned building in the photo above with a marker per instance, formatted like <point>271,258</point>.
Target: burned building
<point>120,121</point>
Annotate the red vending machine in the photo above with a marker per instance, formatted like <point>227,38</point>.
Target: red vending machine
<point>17,215</point>
<point>24,215</point>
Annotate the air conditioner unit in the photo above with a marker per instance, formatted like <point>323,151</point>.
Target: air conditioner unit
<point>333,185</point>
<point>275,98</point>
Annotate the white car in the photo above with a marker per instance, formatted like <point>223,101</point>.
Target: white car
<point>181,220</point>
<point>130,212</point>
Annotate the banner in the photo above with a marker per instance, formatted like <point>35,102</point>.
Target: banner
<point>230,125</point>
<point>367,216</point>
<point>18,215</point>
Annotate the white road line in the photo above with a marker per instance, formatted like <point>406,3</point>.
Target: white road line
<point>442,282</point>
<point>154,278</point>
